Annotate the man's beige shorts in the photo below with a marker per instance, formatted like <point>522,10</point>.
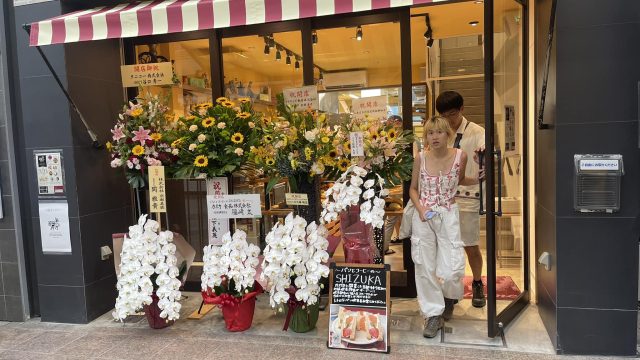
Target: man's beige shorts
<point>470,228</point>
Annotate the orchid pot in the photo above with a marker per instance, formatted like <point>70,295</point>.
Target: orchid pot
<point>152,313</point>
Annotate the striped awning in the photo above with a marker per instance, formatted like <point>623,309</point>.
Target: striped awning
<point>173,16</point>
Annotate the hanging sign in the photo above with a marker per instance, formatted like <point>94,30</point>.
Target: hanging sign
<point>217,186</point>
<point>357,143</point>
<point>302,98</point>
<point>157,194</point>
<point>374,107</point>
<point>49,172</point>
<point>359,307</point>
<point>296,199</point>
<point>54,227</point>
<point>147,74</point>
<point>509,128</point>
<point>240,206</point>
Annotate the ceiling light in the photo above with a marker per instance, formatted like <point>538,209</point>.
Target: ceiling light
<point>297,65</point>
<point>430,43</point>
<point>474,23</point>
<point>272,42</point>
<point>359,33</point>
<point>314,37</point>
<point>429,33</point>
<point>266,49</point>
<point>288,60</point>
<point>278,55</point>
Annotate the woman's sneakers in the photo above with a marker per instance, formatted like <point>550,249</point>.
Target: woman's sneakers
<point>432,325</point>
<point>478,299</point>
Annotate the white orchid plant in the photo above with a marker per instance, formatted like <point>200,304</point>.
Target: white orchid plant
<point>351,189</point>
<point>148,265</point>
<point>230,268</point>
<point>294,260</point>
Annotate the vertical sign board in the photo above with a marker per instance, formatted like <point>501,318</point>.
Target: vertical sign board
<point>359,307</point>
<point>157,194</point>
<point>217,227</point>
<point>302,98</point>
<point>509,129</point>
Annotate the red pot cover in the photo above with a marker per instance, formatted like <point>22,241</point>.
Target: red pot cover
<point>152,312</point>
<point>357,237</point>
<point>237,312</point>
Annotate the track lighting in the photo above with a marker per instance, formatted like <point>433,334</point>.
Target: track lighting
<point>272,42</point>
<point>359,33</point>
<point>314,37</point>
<point>266,49</point>
<point>297,65</point>
<point>288,60</point>
<point>278,55</point>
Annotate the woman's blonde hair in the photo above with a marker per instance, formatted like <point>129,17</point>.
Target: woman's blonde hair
<point>437,123</point>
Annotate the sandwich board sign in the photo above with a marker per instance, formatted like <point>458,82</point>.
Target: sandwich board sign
<point>359,307</point>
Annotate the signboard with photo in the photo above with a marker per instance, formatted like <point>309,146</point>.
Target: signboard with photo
<point>359,307</point>
<point>50,173</point>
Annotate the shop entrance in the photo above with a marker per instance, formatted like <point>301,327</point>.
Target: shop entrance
<point>409,57</point>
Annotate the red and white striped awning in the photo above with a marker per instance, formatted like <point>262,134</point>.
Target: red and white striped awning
<point>172,16</point>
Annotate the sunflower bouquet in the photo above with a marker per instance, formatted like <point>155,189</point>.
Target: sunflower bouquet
<point>138,139</point>
<point>214,140</point>
<point>297,146</point>
<point>385,146</point>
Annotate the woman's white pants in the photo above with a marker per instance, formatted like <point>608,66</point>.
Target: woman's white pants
<point>438,254</point>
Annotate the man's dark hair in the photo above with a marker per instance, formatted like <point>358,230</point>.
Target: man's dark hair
<point>449,100</point>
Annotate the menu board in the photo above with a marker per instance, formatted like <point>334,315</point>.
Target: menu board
<point>359,307</point>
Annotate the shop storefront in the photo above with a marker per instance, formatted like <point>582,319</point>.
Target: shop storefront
<point>405,53</point>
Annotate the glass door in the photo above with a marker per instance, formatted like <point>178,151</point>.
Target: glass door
<point>505,160</point>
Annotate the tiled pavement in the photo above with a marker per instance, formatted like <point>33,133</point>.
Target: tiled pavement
<point>207,339</point>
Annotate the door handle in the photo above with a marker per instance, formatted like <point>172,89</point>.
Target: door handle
<point>497,153</point>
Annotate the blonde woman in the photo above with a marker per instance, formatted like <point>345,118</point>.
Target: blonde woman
<point>436,247</point>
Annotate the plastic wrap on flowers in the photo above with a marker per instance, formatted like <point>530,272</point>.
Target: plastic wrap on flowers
<point>237,311</point>
<point>357,237</point>
<point>152,312</point>
<point>303,318</point>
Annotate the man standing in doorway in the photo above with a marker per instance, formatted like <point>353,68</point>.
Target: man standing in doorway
<point>469,137</point>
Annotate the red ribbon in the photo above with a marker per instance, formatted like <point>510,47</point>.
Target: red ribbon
<point>292,305</point>
<point>226,299</point>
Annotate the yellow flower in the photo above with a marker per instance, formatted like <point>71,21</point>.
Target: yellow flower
<point>137,150</point>
<point>244,100</point>
<point>190,117</point>
<point>269,161</point>
<point>228,104</point>
<point>208,122</point>
<point>156,136</point>
<point>307,153</point>
<point>221,100</point>
<point>333,154</point>
<point>237,138</point>
<point>294,164</point>
<point>383,133</point>
<point>268,138</point>
<point>392,135</point>
<point>205,105</point>
<point>325,139</point>
<point>243,115</point>
<point>321,117</point>
<point>177,143</point>
<point>136,112</point>
<point>201,161</point>
<point>347,146</point>
<point>375,136</point>
<point>109,146</point>
<point>343,164</point>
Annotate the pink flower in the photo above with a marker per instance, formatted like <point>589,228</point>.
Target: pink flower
<point>153,162</point>
<point>141,135</point>
<point>117,133</point>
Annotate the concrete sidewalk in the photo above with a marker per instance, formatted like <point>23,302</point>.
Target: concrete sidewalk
<point>207,338</point>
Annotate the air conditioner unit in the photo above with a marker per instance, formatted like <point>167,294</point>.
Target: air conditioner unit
<point>345,79</point>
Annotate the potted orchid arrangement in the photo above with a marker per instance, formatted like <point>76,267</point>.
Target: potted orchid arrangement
<point>228,279</point>
<point>149,277</point>
<point>358,201</point>
<point>214,140</point>
<point>294,264</point>
<point>138,140</point>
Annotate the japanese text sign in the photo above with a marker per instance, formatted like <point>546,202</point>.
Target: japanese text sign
<point>157,194</point>
<point>217,227</point>
<point>147,74</point>
<point>302,98</point>
<point>296,199</point>
<point>240,206</point>
<point>374,107</point>
<point>357,143</point>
